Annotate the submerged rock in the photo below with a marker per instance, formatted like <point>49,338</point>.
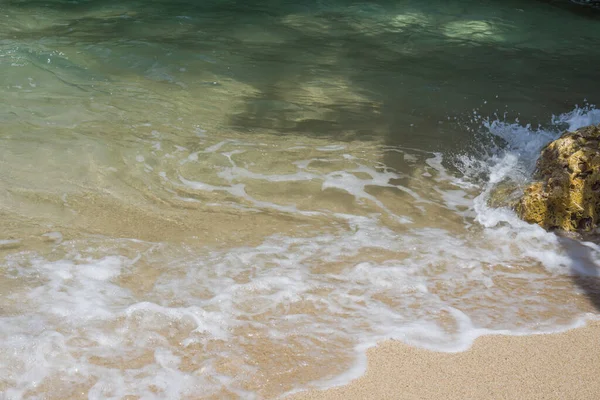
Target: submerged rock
<point>566,194</point>
<point>504,194</point>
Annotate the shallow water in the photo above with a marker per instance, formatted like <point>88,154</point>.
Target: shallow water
<point>227,199</point>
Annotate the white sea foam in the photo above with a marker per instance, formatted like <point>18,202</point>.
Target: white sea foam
<point>80,311</point>
<point>201,323</point>
<point>9,243</point>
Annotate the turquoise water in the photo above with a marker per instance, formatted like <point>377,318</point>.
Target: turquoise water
<point>227,199</point>
<point>340,69</point>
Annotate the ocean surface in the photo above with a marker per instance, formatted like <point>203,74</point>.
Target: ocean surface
<point>219,199</point>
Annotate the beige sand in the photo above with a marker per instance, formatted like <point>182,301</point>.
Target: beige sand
<point>561,366</point>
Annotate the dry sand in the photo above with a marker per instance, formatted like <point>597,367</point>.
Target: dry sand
<point>559,366</point>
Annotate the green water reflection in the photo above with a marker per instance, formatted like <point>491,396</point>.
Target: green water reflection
<point>346,69</point>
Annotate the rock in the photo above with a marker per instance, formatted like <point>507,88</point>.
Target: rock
<point>591,3</point>
<point>566,194</point>
<point>504,194</point>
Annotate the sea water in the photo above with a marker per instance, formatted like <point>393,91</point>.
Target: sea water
<point>222,199</point>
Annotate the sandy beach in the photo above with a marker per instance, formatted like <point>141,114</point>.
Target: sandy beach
<point>556,366</point>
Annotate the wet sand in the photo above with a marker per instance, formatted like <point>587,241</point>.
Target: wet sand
<point>558,366</point>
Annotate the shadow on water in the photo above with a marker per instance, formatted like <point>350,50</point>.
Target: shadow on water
<point>591,286</point>
<point>354,70</point>
<point>585,272</point>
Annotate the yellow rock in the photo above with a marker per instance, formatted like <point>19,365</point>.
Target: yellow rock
<point>566,194</point>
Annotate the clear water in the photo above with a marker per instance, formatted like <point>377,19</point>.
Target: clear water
<point>226,199</point>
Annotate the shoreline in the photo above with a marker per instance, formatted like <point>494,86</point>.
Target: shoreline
<point>562,366</point>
